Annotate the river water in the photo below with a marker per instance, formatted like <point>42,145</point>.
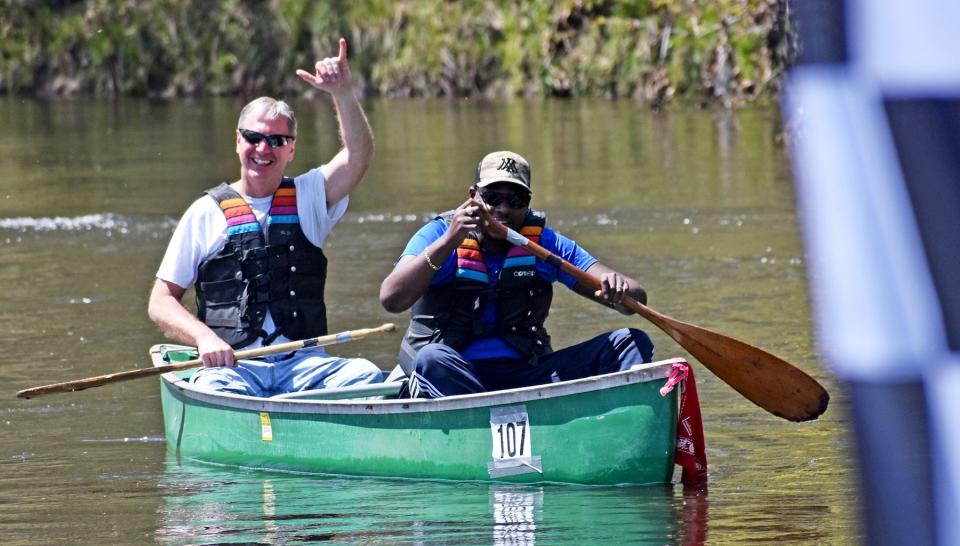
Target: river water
<point>697,205</point>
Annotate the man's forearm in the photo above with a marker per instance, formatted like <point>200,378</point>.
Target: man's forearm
<point>347,168</point>
<point>176,322</point>
<point>411,277</point>
<point>354,130</point>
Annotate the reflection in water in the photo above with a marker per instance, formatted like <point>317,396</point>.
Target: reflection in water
<point>694,516</point>
<point>514,513</point>
<point>207,504</point>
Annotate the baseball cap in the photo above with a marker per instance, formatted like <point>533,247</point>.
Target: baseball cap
<point>503,166</point>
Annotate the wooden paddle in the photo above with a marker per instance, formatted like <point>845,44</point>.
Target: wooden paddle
<point>89,382</point>
<point>769,382</point>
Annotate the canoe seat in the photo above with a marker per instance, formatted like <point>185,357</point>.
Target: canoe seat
<point>341,393</point>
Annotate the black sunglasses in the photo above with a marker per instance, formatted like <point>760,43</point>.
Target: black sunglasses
<point>274,141</point>
<point>514,200</point>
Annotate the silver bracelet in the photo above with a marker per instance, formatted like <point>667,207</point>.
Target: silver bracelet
<point>430,262</point>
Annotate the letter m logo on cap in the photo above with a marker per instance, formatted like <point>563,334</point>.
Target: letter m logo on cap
<point>509,164</point>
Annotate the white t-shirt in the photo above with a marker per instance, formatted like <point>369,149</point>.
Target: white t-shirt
<point>202,232</point>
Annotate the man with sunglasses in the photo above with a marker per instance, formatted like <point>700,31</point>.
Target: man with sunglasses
<point>252,249</point>
<point>478,304</point>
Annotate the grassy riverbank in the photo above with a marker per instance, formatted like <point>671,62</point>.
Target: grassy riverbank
<point>706,51</point>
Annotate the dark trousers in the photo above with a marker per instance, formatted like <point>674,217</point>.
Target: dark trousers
<point>441,371</point>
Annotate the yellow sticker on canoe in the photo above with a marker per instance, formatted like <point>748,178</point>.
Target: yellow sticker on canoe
<point>266,430</point>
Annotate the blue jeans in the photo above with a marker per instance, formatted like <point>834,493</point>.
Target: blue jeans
<point>440,370</point>
<point>306,369</point>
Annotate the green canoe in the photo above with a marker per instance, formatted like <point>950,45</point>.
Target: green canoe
<point>610,429</point>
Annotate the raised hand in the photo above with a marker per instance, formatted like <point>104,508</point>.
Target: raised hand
<point>331,74</point>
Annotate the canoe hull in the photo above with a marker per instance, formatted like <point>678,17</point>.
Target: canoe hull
<point>613,429</point>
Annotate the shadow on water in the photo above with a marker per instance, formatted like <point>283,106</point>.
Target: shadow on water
<point>206,504</point>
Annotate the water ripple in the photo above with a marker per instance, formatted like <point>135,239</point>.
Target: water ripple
<point>86,222</point>
<point>97,225</point>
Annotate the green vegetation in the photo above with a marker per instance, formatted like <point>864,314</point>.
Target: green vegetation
<point>707,51</point>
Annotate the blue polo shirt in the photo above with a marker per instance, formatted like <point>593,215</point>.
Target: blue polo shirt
<point>495,347</point>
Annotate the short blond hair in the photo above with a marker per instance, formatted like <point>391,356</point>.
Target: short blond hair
<point>272,109</point>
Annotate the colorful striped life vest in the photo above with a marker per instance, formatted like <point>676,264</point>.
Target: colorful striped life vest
<point>452,313</point>
<point>282,272</point>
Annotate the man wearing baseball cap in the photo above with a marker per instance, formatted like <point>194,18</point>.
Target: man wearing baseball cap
<point>478,304</point>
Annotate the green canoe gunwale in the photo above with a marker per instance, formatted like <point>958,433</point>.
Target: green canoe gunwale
<point>603,430</point>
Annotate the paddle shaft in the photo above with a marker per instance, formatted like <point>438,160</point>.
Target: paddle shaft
<point>766,380</point>
<point>80,384</point>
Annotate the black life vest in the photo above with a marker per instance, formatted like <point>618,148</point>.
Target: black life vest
<point>452,313</point>
<point>283,272</point>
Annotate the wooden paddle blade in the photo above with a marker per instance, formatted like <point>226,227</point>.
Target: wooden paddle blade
<point>81,384</point>
<point>769,382</point>
<point>766,380</point>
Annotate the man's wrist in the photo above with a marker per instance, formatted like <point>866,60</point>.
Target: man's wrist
<point>426,255</point>
<point>343,93</point>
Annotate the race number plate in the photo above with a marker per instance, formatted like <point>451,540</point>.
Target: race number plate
<point>512,442</point>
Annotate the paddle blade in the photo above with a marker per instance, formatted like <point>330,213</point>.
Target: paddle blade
<point>766,380</point>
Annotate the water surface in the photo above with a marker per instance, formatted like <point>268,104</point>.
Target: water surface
<point>697,205</point>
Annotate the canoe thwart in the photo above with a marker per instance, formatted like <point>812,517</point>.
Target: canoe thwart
<point>341,393</point>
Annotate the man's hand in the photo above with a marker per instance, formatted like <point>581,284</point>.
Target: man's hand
<point>215,352</point>
<point>466,218</point>
<point>332,74</point>
<point>614,287</point>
